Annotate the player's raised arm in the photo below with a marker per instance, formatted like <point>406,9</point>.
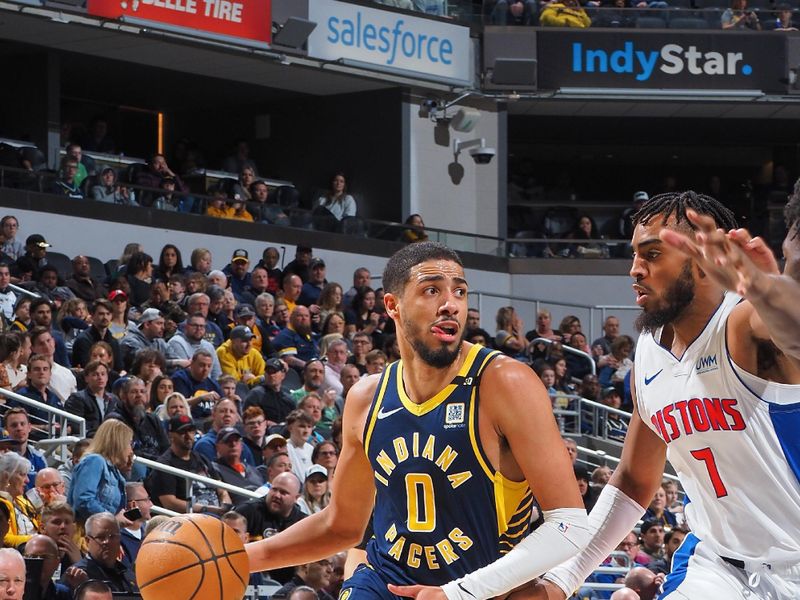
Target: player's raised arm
<point>341,524</point>
<point>772,296</point>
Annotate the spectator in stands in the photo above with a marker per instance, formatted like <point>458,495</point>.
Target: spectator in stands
<point>8,299</point>
<point>274,444</point>
<point>569,325</point>
<point>621,350</point>
<point>275,402</point>
<point>600,476</point>
<point>337,201</point>
<point>658,512</point>
<point>784,22</point>
<point>62,381</point>
<point>311,290</point>
<point>15,349</point>
<point>93,402</point>
<point>170,490</point>
<point>98,482</point>
<point>109,190</point>
<point>315,575</point>
<point>644,582</point>
<point>510,338</point>
<point>336,355</point>
<point>588,493</point>
<point>258,284</point>
<point>99,331</point>
<point>170,263</point>
<point>296,344</point>
<point>21,319</point>
<point>36,249</point>
<point>183,345</point>
<point>218,203</point>
<point>167,198</point>
<point>38,388</point>
<point>103,541</point>
<point>564,13</point>
<point>102,351</point>
<point>292,287</point>
<point>375,362</point>
<point>737,17</point>
<point>326,454</point>
<point>299,266</point>
<point>119,313</point>
<point>157,169</point>
<point>269,261</point>
<point>238,358</point>
<point>313,378</point>
<point>139,273</point>
<point>584,247</point>
<point>616,426</point>
<point>362,315</point>
<point>200,390</point>
<point>239,212</point>
<point>174,404</point>
<point>9,227</point>
<point>614,13</point>
<point>237,273</point>
<point>415,230</point>
<point>68,183</point>
<point>81,282</point>
<point>149,438</point>
<point>652,541</point>
<point>300,426</point>
<point>200,261</point>
<point>672,541</point>
<point>334,324</point>
<point>240,159</point>
<point>315,494</point>
<point>673,503</point>
<point>201,303</point>
<point>230,466</point>
<point>42,316</point>
<point>72,319</point>
<point>23,522</point>
<point>245,316</point>
<point>133,533</point>
<point>255,431</point>
<point>348,377</point>
<point>361,278</point>
<point>12,571</point>
<point>224,414</point>
<point>610,333</point>
<point>160,388</point>
<point>274,513</point>
<point>41,547</point>
<point>511,12</point>
<point>276,463</point>
<point>149,335</point>
<point>280,315</point>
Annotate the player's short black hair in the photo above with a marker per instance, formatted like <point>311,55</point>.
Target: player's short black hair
<point>677,203</point>
<point>398,269</point>
<point>791,212</point>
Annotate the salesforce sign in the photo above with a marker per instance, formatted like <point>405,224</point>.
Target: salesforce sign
<point>390,41</point>
<point>678,60</point>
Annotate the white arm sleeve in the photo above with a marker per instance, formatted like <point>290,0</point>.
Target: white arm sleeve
<point>613,517</point>
<point>563,534</point>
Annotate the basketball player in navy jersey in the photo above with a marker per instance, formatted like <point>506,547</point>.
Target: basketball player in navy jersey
<point>717,391</point>
<point>448,445</point>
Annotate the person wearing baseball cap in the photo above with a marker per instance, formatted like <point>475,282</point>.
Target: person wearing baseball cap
<point>238,357</point>
<point>316,281</point>
<point>245,314</point>
<point>238,274</point>
<point>270,396</point>
<point>230,466</point>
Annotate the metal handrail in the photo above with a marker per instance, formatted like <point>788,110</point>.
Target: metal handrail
<point>157,466</point>
<point>22,290</point>
<point>570,350</point>
<point>52,412</point>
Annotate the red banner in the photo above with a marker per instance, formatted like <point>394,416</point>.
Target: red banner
<point>249,19</point>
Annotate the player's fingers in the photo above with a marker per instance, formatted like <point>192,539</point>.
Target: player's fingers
<point>704,222</point>
<point>680,242</point>
<point>408,591</point>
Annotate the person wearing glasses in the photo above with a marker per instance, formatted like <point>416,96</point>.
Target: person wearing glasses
<point>45,549</point>
<point>12,574</point>
<point>133,534</point>
<point>103,542</point>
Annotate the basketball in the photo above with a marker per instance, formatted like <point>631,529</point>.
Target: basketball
<point>192,557</point>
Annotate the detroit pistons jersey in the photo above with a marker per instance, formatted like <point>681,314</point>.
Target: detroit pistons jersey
<point>733,439</point>
<point>441,510</point>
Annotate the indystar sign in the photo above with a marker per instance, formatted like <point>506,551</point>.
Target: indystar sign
<point>677,60</point>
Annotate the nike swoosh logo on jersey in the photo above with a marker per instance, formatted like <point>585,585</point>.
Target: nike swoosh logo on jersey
<point>649,380</point>
<point>465,590</point>
<point>383,414</point>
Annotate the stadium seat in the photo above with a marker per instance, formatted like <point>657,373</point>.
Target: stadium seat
<point>111,267</point>
<point>650,23</point>
<point>354,226</point>
<point>62,262</point>
<point>687,23</point>
<point>559,221</point>
<point>97,268</point>
<point>286,196</point>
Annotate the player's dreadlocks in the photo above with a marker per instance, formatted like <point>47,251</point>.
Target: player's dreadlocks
<point>791,212</point>
<point>677,203</point>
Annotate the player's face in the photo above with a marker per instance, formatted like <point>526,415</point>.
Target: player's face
<point>664,278</point>
<point>431,313</point>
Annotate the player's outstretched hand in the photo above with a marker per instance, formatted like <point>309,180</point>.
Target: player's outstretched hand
<point>422,592</point>
<point>755,248</point>
<point>720,258</point>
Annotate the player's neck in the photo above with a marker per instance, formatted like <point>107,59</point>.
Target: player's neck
<point>684,330</point>
<point>421,381</point>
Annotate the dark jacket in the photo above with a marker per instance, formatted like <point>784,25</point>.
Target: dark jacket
<point>119,578</point>
<point>83,404</point>
<point>276,405</point>
<point>86,289</point>
<point>149,438</point>
<point>250,480</point>
<point>81,348</point>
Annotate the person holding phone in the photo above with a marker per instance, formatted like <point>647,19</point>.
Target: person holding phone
<point>138,513</point>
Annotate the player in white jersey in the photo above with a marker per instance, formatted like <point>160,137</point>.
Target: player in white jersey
<point>717,390</point>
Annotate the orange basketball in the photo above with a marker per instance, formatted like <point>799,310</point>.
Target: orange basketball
<point>192,557</point>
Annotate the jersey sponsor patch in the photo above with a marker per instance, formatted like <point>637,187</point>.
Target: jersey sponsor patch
<point>455,413</point>
<point>706,364</point>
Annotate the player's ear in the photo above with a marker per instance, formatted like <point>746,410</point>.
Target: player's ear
<point>390,302</point>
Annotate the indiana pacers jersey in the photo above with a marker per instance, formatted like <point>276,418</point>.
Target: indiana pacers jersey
<point>441,510</point>
<point>734,440</point>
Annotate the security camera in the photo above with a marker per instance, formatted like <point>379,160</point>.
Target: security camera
<point>482,155</point>
<point>429,107</point>
<point>478,150</point>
